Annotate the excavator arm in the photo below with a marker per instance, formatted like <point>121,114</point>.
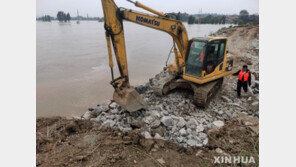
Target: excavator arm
<point>124,94</point>
<point>171,26</point>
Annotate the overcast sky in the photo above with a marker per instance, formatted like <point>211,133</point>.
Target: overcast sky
<point>94,8</point>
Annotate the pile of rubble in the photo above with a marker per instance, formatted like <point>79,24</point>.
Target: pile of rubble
<point>173,117</point>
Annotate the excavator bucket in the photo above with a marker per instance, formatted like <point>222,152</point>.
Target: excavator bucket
<point>129,99</point>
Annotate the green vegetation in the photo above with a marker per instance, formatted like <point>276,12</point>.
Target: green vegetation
<point>212,20</point>
<point>68,17</point>
<point>63,17</point>
<point>209,19</point>
<point>191,19</point>
<point>241,22</point>
<point>179,16</point>
<point>45,18</point>
<point>245,18</point>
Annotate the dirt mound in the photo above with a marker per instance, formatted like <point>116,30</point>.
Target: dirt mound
<point>62,142</point>
<point>57,129</point>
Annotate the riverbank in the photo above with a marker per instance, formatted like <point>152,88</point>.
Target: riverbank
<point>173,132</point>
<point>64,142</point>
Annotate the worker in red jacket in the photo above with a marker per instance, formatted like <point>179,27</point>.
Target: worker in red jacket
<point>244,79</point>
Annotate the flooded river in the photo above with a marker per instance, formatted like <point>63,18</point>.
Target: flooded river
<point>72,62</point>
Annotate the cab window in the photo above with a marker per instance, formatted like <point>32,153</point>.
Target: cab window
<point>195,58</point>
<point>221,51</point>
<point>214,55</point>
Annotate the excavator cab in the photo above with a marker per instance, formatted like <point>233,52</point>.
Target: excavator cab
<point>207,59</point>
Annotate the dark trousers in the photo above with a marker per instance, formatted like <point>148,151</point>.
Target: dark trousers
<point>241,84</point>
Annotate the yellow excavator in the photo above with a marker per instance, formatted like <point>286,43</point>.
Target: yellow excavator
<point>199,65</point>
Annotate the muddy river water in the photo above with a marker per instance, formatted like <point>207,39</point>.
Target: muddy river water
<point>72,63</point>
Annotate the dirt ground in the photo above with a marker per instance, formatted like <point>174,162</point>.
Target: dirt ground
<point>64,142</point>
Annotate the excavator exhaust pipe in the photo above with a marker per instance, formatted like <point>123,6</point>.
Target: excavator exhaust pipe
<point>129,99</point>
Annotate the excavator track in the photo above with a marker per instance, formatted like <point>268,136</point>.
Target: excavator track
<point>166,81</point>
<point>161,81</point>
<point>204,93</point>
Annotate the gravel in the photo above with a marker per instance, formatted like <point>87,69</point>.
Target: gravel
<point>167,121</point>
<point>218,124</point>
<point>174,117</point>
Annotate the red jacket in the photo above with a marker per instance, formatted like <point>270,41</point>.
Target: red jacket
<point>243,77</point>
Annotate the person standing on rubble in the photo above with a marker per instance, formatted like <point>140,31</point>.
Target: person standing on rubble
<point>244,79</point>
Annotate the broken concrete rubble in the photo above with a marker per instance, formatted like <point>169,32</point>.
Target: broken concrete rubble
<point>168,119</point>
<point>174,117</point>
<point>146,135</point>
<point>218,124</point>
<point>98,110</point>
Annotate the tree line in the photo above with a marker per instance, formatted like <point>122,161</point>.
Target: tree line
<point>241,19</point>
<point>63,17</point>
<point>207,20</point>
<point>66,17</point>
<point>245,18</point>
<point>45,18</point>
